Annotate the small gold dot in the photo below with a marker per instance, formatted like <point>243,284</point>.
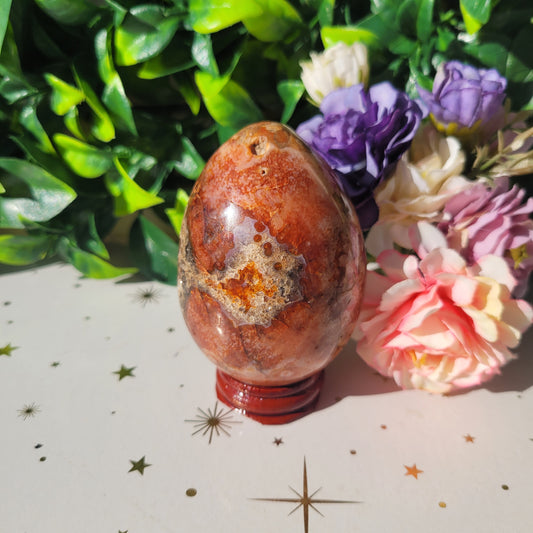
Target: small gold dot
<point>383,426</point>
<point>353,452</point>
<point>442,504</point>
<point>505,487</point>
<point>191,492</point>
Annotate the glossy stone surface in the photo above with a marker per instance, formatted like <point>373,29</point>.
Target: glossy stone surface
<point>272,261</point>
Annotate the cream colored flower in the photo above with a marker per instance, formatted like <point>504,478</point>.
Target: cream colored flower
<point>424,180</point>
<point>338,66</point>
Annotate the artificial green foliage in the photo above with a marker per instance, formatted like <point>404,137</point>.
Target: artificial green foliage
<point>110,108</point>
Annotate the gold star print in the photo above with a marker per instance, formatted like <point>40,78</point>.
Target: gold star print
<point>469,438</point>
<point>125,372</point>
<point>305,501</point>
<point>412,471</point>
<point>7,349</point>
<point>146,296</point>
<point>213,422</point>
<point>28,411</point>
<point>139,466</point>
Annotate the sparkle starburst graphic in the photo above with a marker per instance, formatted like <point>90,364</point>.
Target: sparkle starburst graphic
<point>213,422</point>
<point>147,296</point>
<point>28,411</point>
<point>305,500</point>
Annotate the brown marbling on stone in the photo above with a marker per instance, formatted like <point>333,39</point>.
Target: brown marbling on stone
<point>272,260</point>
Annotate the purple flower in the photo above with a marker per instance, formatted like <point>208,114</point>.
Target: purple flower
<point>466,101</point>
<point>480,221</point>
<point>362,134</point>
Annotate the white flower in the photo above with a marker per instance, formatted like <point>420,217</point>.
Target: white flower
<point>338,66</point>
<point>424,180</point>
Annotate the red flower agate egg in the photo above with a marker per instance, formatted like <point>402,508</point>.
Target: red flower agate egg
<point>271,261</point>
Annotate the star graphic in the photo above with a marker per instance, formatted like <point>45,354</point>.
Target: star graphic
<point>139,465</point>
<point>304,500</point>
<point>29,411</point>
<point>146,296</point>
<point>412,471</point>
<point>125,372</point>
<point>7,349</point>
<point>469,438</point>
<point>277,441</point>
<point>215,421</point>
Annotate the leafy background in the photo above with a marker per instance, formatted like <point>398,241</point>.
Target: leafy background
<point>109,108</point>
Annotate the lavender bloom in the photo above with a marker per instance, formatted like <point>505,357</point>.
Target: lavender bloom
<point>480,221</point>
<point>362,134</point>
<point>466,101</point>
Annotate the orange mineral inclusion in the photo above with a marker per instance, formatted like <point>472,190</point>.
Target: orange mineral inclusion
<point>271,261</point>
<point>247,285</point>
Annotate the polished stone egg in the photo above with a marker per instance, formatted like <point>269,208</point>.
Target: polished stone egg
<point>272,259</point>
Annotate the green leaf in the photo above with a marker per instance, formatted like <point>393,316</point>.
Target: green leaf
<point>519,67</point>
<point>227,102</point>
<point>424,20</point>
<point>13,84</point>
<point>347,34</point>
<point>49,162</point>
<point>326,12</point>
<point>173,59</point>
<point>24,249</point>
<point>87,236</point>
<point>89,264</point>
<point>202,53</point>
<point>144,33</point>
<point>40,196</point>
<point>402,45</point>
<point>175,214</point>
<point>189,92</point>
<point>444,38</point>
<point>102,127</point>
<point>73,124</point>
<point>276,22</point>
<point>114,96</point>
<point>84,159</point>
<point>5,6</point>
<point>290,91</point>
<point>64,96</point>
<point>155,253</point>
<point>475,13</point>
<point>129,196</point>
<point>210,16</point>
<point>68,11</point>
<point>191,162</point>
<point>28,118</point>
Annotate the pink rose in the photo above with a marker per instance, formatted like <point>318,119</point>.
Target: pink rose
<point>436,323</point>
<point>480,221</point>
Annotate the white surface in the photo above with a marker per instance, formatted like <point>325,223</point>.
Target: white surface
<point>90,425</point>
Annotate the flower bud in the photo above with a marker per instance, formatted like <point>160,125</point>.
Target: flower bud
<point>338,66</point>
<point>466,102</point>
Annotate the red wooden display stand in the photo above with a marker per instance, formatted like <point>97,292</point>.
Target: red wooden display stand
<point>270,404</point>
